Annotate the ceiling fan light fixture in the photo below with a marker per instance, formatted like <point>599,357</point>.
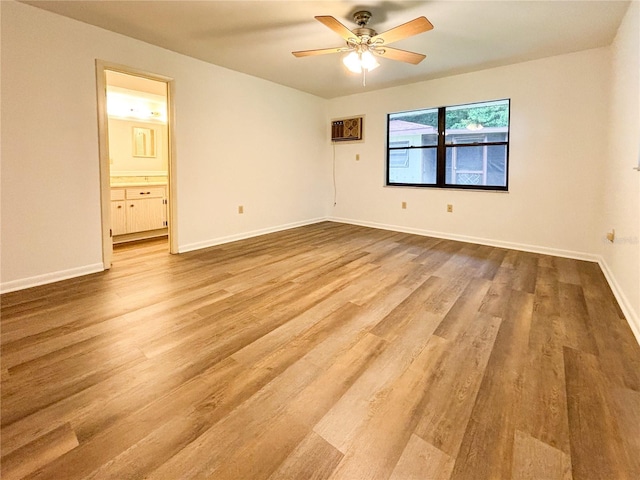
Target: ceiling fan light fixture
<point>368,61</point>
<point>357,61</point>
<point>352,62</point>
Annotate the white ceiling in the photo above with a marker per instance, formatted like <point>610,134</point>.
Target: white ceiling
<point>257,37</point>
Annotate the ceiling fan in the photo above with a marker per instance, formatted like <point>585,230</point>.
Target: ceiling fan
<point>363,42</point>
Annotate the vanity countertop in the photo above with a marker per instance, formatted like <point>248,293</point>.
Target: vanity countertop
<point>139,184</point>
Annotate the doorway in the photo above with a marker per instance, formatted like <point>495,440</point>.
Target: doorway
<point>137,157</point>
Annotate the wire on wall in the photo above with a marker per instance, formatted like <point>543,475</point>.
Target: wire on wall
<point>335,186</point>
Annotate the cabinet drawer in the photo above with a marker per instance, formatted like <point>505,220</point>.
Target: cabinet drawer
<point>117,194</point>
<point>145,192</point>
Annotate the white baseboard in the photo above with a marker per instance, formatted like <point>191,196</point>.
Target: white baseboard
<point>242,236</point>
<point>52,277</point>
<point>625,305</point>
<point>477,240</point>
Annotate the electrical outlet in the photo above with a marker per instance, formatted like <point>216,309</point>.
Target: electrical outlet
<point>357,156</point>
<point>611,236</point>
<point>240,209</point>
<point>449,208</point>
<point>404,205</point>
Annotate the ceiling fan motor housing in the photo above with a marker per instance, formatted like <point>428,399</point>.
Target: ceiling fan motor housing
<point>361,18</point>
<point>364,33</point>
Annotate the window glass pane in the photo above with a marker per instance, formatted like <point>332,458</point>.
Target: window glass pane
<point>419,166</point>
<point>481,165</point>
<point>419,128</point>
<point>477,123</point>
<point>398,156</point>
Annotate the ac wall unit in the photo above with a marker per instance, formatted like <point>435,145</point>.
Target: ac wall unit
<point>346,129</point>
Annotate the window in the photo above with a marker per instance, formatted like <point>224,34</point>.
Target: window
<point>462,146</point>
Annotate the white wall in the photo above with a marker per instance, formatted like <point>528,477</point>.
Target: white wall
<point>240,140</point>
<point>621,203</point>
<point>557,147</point>
<point>264,147</point>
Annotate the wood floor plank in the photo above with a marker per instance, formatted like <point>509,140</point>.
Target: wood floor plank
<point>462,264</point>
<point>383,437</point>
<point>338,378</point>
<point>129,320</point>
<point>493,258</point>
<point>283,333</point>
<point>276,420</point>
<point>313,459</point>
<point>227,391</point>
<point>568,270</point>
<point>290,423</point>
<point>217,449</point>
<point>54,384</point>
<point>117,438</point>
<point>487,446</point>
<point>421,460</point>
<point>413,305</point>
<point>325,351</point>
<point>533,460</point>
<point>454,385</point>
<point>543,412</point>
<point>618,351</point>
<point>39,453</point>
<point>340,426</point>
<point>626,405</point>
<point>96,404</point>
<point>579,333</point>
<point>466,306</point>
<point>301,414</point>
<point>590,420</point>
<point>440,252</point>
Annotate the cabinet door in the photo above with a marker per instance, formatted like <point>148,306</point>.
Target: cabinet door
<point>147,214</point>
<point>118,217</point>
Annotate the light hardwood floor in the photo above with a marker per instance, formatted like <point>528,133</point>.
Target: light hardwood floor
<point>327,351</point>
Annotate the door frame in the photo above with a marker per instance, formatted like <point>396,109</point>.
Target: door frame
<point>103,148</point>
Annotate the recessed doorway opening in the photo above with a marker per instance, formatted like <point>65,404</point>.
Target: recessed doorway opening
<point>136,158</point>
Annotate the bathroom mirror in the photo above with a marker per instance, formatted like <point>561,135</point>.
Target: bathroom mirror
<point>144,142</point>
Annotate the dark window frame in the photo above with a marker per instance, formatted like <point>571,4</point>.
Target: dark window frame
<point>441,148</point>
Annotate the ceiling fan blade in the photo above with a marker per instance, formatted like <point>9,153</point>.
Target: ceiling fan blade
<point>400,55</point>
<point>336,26</point>
<point>414,27</point>
<point>320,51</point>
